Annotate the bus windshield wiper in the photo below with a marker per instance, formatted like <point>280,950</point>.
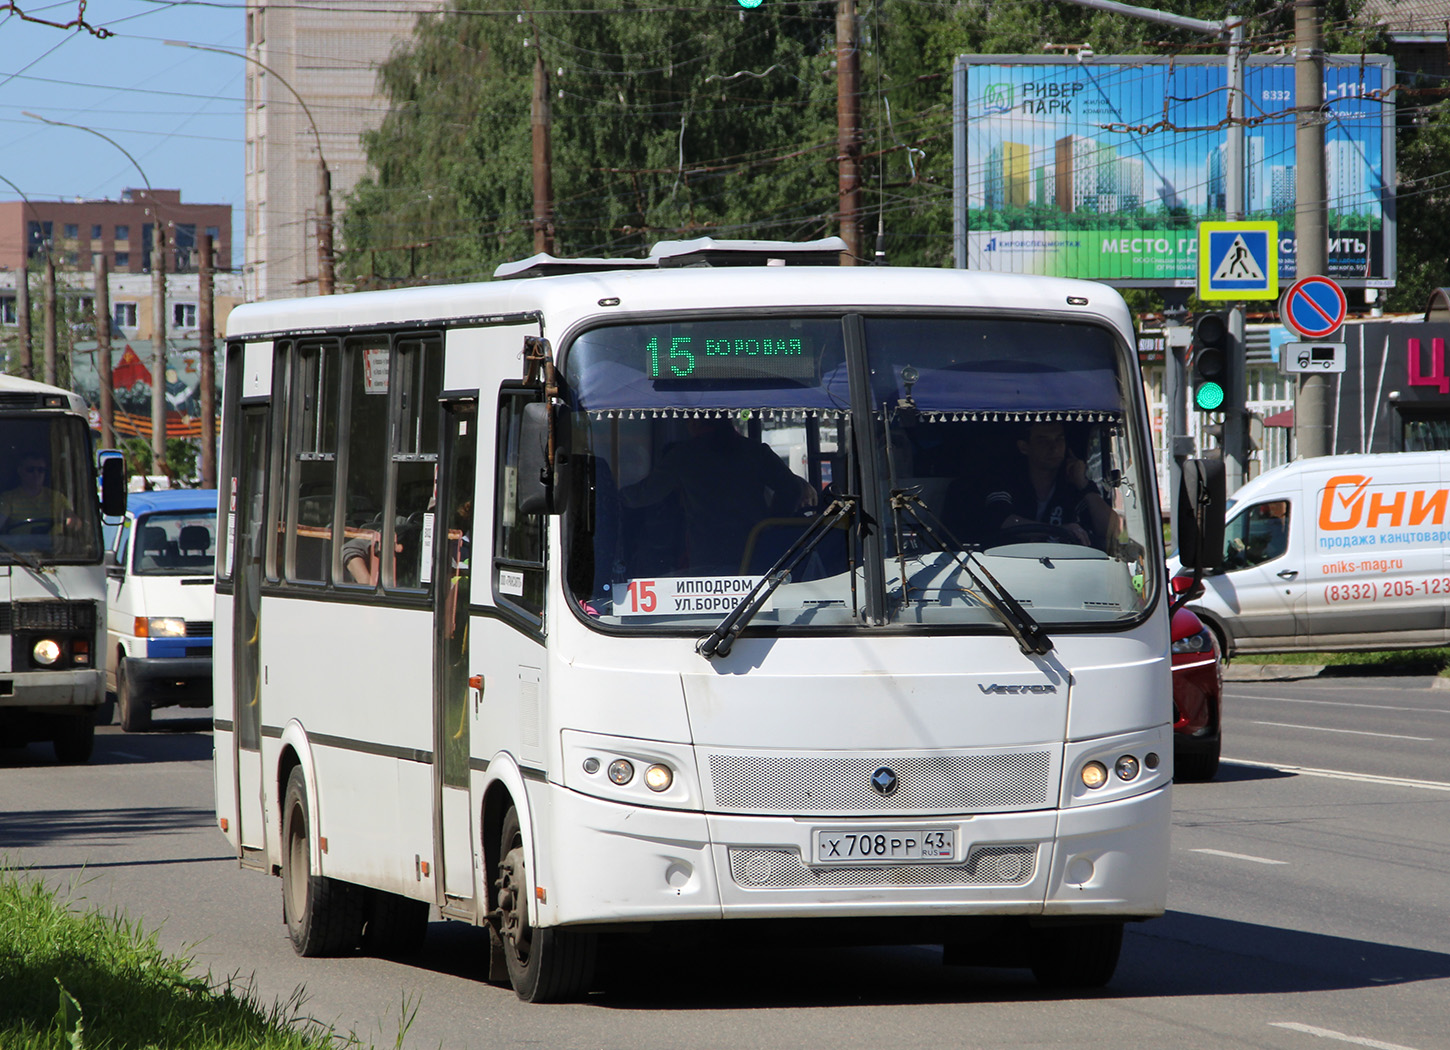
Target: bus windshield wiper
<point>29,559</point>
<point>719,641</point>
<point>1031,638</point>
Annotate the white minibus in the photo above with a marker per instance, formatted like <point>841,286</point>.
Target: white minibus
<point>52,583</point>
<point>773,622</point>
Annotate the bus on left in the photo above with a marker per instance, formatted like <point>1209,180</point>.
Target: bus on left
<point>52,580</point>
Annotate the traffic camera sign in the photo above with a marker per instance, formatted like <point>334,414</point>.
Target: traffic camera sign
<point>1313,307</point>
<point>1238,260</point>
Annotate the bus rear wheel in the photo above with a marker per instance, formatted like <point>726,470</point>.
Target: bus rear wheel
<point>1078,956</point>
<point>324,916</point>
<point>545,964</point>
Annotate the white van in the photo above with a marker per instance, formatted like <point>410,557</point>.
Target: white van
<point>1335,553</point>
<point>159,604</point>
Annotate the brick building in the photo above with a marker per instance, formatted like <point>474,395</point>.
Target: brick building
<point>76,230</point>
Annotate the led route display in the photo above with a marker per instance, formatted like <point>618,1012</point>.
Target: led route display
<point>729,357</point>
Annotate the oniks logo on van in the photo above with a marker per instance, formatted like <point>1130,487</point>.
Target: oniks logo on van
<point>1349,504</point>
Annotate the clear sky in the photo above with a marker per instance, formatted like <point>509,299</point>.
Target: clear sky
<point>178,112</point>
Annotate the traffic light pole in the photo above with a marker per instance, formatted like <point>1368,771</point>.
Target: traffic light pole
<point>1236,413</point>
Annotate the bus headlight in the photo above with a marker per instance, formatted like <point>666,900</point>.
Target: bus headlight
<point>1126,767</point>
<point>166,627</point>
<point>658,777</point>
<point>46,652</point>
<point>621,771</point>
<point>1094,775</point>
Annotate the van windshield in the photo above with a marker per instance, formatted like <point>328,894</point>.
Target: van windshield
<point>175,543</point>
<point>48,506</point>
<point>702,450</point>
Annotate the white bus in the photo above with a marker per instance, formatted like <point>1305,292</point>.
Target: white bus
<point>52,582</point>
<point>692,682</point>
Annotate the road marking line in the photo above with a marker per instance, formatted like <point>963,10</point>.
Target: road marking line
<point>1238,856</point>
<point>126,754</point>
<point>1346,703</point>
<point>1338,774</point>
<point>1325,1033</point>
<point>1351,732</point>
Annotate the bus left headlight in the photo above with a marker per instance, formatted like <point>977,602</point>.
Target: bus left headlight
<point>46,652</point>
<point>166,627</point>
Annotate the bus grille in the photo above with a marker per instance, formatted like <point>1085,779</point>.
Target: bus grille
<point>812,784</point>
<point>53,616</point>
<point>198,628</point>
<point>1013,865</point>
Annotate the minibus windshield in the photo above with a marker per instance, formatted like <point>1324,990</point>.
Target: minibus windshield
<point>48,506</point>
<point>701,450</point>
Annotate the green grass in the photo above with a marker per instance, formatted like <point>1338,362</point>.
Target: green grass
<point>80,980</point>
<point>1392,661</point>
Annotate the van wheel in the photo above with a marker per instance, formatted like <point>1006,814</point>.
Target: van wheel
<point>135,710</point>
<point>395,926</point>
<point>75,738</point>
<point>1082,956</point>
<point>545,964</point>
<point>324,916</point>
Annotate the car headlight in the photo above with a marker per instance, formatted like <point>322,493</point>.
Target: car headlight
<point>1202,642</point>
<point>165,627</point>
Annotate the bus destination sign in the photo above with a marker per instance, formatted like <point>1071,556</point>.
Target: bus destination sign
<point>730,358</point>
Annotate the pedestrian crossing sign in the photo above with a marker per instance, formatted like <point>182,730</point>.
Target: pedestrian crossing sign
<point>1238,260</point>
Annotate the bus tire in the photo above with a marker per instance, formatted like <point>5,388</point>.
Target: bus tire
<point>1077,956</point>
<point>395,926</point>
<point>135,711</point>
<point>545,964</point>
<point>75,738</point>
<point>324,916</point>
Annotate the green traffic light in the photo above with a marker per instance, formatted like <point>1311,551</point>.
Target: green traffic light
<point>1208,397</point>
<point>750,3</point>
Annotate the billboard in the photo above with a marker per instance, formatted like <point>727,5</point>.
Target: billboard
<point>1103,167</point>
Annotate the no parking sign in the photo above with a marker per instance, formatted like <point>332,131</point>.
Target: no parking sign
<point>1314,307</point>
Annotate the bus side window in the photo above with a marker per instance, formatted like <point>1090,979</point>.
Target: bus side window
<point>518,546</point>
<point>417,382</point>
<point>366,460</point>
<point>312,441</point>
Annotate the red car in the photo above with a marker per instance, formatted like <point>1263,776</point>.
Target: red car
<point>1197,698</point>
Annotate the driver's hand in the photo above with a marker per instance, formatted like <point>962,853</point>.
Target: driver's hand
<point>1076,472</point>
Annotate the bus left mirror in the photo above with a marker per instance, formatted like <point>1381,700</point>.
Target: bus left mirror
<point>536,473</point>
<point>113,484</point>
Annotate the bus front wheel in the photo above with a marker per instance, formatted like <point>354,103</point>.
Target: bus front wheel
<point>545,964</point>
<point>135,710</point>
<point>324,916</point>
<point>1077,956</point>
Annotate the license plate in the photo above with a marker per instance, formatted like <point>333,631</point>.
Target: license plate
<point>888,844</point>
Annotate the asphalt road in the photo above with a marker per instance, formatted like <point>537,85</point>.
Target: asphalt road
<point>1308,910</point>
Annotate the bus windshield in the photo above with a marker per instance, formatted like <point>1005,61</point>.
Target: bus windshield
<point>702,450</point>
<point>48,506</point>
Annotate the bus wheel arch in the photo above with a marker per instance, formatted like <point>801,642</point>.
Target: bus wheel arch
<point>324,916</point>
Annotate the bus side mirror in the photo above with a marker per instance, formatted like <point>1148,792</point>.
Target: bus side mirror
<point>536,473</point>
<point>113,484</point>
<point>1202,504</point>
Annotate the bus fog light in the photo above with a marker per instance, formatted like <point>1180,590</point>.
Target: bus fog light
<point>1150,760</point>
<point>621,771</point>
<point>1126,767</point>
<point>46,652</point>
<point>1094,775</point>
<point>591,765</point>
<point>658,777</point>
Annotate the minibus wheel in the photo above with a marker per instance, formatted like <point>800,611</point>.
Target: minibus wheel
<point>1074,956</point>
<point>135,711</point>
<point>324,916</point>
<point>545,964</point>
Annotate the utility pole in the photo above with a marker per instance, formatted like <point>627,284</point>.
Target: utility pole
<point>22,321</point>
<point>1311,235</point>
<point>325,260</point>
<point>206,321</point>
<point>848,129</point>
<point>50,319</point>
<point>158,346</point>
<point>540,120</point>
<point>102,301</point>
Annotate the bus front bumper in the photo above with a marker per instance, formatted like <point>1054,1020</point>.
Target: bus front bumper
<point>49,691</point>
<point>612,863</point>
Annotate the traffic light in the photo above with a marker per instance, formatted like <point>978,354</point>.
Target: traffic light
<point>1208,360</point>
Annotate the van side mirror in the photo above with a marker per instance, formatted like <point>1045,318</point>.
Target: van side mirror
<point>113,483</point>
<point>1202,504</point>
<point>536,473</point>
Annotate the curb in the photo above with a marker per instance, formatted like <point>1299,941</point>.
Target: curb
<point>1272,672</point>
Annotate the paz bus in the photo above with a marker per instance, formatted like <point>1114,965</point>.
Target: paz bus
<point>52,582</point>
<point>744,645</point>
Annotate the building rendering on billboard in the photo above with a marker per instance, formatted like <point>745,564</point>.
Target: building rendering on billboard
<point>1102,167</point>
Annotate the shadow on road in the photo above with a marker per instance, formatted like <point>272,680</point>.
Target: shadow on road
<point>1178,955</point>
<point>1231,772</point>
<point>171,740</point>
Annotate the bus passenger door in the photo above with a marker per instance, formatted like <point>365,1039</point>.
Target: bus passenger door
<point>453,538</point>
<point>247,626</point>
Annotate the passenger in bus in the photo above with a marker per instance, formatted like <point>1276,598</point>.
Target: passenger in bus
<point>1052,493</point>
<point>32,507</point>
<point>726,483</point>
